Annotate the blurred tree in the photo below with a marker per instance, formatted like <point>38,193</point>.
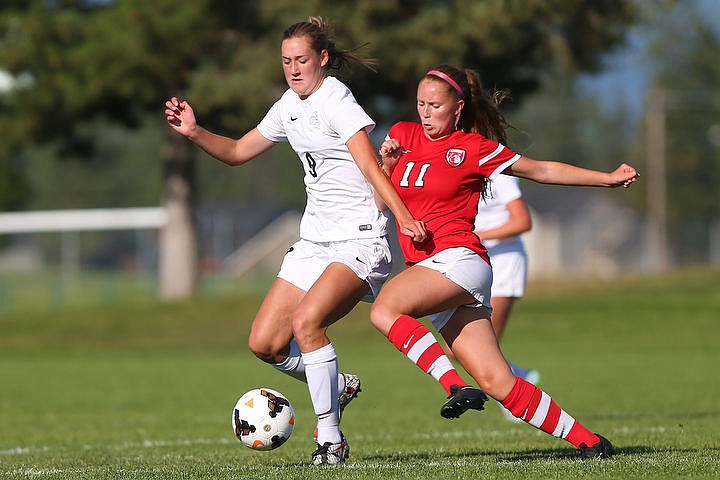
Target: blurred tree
<point>686,50</point>
<point>93,63</point>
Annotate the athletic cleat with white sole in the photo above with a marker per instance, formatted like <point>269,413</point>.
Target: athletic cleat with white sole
<point>350,392</point>
<point>602,449</point>
<point>331,453</point>
<point>462,399</point>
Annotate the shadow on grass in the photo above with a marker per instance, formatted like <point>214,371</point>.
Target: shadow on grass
<point>436,458</point>
<point>533,455</point>
<point>527,455</point>
<point>638,415</point>
<point>644,450</point>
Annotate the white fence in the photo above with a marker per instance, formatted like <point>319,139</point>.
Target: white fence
<point>79,220</point>
<point>69,222</point>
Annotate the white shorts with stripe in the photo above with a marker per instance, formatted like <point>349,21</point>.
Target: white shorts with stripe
<point>368,258</point>
<point>467,269</point>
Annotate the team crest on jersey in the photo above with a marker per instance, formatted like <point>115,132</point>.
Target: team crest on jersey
<point>455,156</point>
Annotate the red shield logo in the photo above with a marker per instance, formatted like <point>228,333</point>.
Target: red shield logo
<point>455,156</point>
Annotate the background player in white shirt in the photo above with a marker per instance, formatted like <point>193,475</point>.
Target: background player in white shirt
<point>343,254</point>
<point>502,217</point>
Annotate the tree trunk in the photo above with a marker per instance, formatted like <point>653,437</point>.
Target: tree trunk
<point>178,249</point>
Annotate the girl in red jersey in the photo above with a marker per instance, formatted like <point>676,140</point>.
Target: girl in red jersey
<point>440,168</point>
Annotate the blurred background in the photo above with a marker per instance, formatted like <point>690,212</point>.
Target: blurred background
<point>101,202</point>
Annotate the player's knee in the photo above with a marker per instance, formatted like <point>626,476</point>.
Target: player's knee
<point>382,318</point>
<point>305,323</point>
<point>492,382</point>
<point>261,352</point>
<point>269,352</point>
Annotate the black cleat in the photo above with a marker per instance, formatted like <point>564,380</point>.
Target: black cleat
<point>602,449</point>
<point>462,399</point>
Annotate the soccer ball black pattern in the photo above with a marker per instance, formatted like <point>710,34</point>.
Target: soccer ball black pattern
<point>263,419</point>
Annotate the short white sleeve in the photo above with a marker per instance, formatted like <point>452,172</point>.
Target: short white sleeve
<point>347,117</point>
<point>271,126</point>
<point>491,210</point>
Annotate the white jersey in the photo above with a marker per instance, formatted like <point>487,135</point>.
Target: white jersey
<point>493,213</point>
<point>340,202</point>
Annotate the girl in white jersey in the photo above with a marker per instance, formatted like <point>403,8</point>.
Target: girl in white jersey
<point>343,253</point>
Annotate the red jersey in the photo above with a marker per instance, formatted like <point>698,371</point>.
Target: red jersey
<point>440,182</point>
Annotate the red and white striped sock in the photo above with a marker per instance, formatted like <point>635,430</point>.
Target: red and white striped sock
<point>534,406</point>
<point>414,340</point>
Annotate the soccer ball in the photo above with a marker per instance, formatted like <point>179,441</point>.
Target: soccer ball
<point>263,419</point>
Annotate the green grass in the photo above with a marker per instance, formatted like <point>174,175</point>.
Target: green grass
<point>145,390</point>
<point>52,290</point>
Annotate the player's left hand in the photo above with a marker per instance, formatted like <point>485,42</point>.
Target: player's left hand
<point>624,175</point>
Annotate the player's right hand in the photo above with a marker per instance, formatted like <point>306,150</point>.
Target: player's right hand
<point>414,229</point>
<point>180,116</point>
<point>391,151</point>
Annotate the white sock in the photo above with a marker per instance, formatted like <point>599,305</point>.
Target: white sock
<point>294,366</point>
<point>321,371</point>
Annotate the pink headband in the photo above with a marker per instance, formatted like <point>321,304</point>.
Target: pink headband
<point>446,77</point>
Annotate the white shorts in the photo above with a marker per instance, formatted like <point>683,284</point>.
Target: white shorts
<point>467,269</point>
<point>368,258</point>
<point>509,273</point>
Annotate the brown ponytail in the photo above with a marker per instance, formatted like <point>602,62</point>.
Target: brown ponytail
<point>320,35</point>
<point>481,113</point>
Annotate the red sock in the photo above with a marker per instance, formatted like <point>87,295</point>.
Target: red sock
<point>529,403</point>
<point>414,340</point>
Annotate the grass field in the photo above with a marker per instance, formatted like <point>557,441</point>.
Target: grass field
<point>144,391</point>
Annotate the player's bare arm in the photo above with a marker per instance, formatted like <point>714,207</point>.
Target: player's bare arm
<point>559,173</point>
<point>364,154</point>
<point>181,117</point>
<point>387,162</point>
<point>519,222</point>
